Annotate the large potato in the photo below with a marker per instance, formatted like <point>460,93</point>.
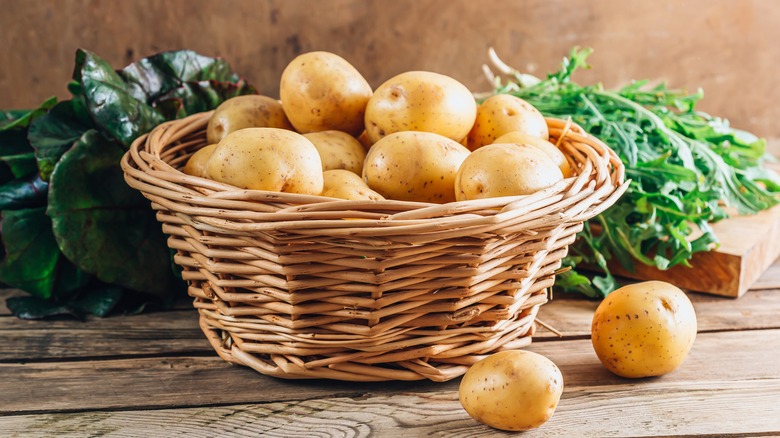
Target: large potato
<point>340,183</point>
<point>196,164</point>
<point>512,390</point>
<point>420,101</point>
<point>338,150</point>
<point>502,113</point>
<point>545,146</point>
<point>644,329</point>
<point>250,111</point>
<point>321,91</point>
<point>267,159</point>
<point>505,170</point>
<point>414,166</point>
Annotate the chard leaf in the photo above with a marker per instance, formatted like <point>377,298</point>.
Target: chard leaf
<point>17,158</point>
<point>32,261</point>
<point>195,97</point>
<point>26,192</point>
<point>52,134</point>
<point>98,300</point>
<point>113,106</point>
<point>22,120</point>
<point>101,224</point>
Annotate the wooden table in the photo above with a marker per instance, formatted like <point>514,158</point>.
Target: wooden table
<point>154,375</point>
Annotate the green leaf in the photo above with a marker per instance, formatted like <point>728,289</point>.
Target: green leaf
<point>27,192</point>
<point>112,104</point>
<point>157,75</point>
<point>55,132</point>
<point>33,262</point>
<point>17,158</point>
<point>98,300</point>
<point>104,226</point>
<point>23,120</point>
<point>195,97</point>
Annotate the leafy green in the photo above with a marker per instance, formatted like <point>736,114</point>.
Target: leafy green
<point>685,167</point>
<point>103,225</point>
<point>75,236</point>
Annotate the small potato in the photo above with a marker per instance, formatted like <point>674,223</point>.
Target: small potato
<point>420,101</point>
<point>196,164</point>
<point>338,150</point>
<point>545,146</point>
<point>502,113</point>
<point>250,111</point>
<point>414,166</point>
<point>267,159</point>
<point>505,170</point>
<point>321,91</point>
<point>644,329</point>
<point>512,390</point>
<point>340,183</point>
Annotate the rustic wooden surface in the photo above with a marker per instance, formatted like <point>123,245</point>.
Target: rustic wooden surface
<point>727,47</point>
<point>155,375</point>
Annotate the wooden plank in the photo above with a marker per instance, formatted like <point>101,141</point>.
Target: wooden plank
<point>155,333</point>
<point>49,387</point>
<point>706,408</point>
<point>571,315</point>
<point>4,295</point>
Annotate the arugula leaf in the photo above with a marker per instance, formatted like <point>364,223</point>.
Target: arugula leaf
<point>684,165</point>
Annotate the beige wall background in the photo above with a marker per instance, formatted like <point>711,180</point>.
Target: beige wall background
<point>730,48</point>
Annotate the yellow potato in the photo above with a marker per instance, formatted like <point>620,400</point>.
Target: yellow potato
<point>502,113</point>
<point>545,146</point>
<point>420,101</point>
<point>340,183</point>
<point>338,150</point>
<point>505,170</point>
<point>644,329</point>
<point>321,91</point>
<point>196,164</point>
<point>267,159</point>
<point>512,390</point>
<point>250,111</point>
<point>414,166</point>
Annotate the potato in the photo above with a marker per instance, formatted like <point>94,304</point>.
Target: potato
<point>512,390</point>
<point>505,170</point>
<point>338,150</point>
<point>321,91</point>
<point>340,183</point>
<point>196,164</point>
<point>267,159</point>
<point>250,111</point>
<point>420,101</point>
<point>414,166</point>
<point>644,329</point>
<point>545,146</point>
<point>502,113</point>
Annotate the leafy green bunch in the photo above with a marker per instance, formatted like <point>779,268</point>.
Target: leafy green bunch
<point>74,235</point>
<point>688,169</point>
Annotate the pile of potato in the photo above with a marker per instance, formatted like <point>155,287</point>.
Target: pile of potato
<point>420,136</point>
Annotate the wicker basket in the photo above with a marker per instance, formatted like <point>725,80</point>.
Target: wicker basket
<point>300,286</point>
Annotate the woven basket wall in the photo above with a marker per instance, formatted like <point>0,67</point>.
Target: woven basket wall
<point>299,286</point>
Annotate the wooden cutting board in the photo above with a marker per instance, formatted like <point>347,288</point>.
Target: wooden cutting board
<point>748,246</point>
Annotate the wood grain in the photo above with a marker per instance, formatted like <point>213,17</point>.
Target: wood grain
<point>709,407</point>
<point>688,44</point>
<point>206,381</point>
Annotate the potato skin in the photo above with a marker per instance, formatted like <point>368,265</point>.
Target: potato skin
<point>414,166</point>
<point>321,91</point>
<point>512,390</point>
<point>420,101</point>
<point>519,137</point>
<point>502,113</point>
<point>644,329</point>
<point>341,183</point>
<point>196,164</point>
<point>338,150</point>
<point>267,159</point>
<point>505,170</point>
<point>249,111</point>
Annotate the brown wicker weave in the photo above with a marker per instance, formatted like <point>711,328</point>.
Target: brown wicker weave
<point>301,286</point>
